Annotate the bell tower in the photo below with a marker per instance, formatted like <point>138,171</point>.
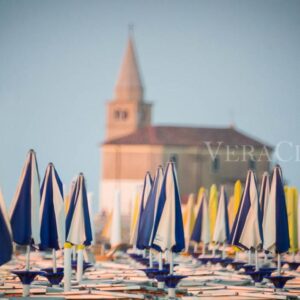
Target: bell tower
<point>127,111</point>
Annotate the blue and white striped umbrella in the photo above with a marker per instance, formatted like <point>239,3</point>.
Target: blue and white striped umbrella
<point>78,224</point>
<point>221,231</point>
<point>143,201</point>
<point>276,219</point>
<point>6,246</point>
<point>52,212</point>
<point>247,228</point>
<point>264,194</point>
<point>149,214</point>
<point>201,230</point>
<point>24,216</point>
<point>168,231</point>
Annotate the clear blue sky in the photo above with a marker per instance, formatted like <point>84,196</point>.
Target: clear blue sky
<point>203,63</point>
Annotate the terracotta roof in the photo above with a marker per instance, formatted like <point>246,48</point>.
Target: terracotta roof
<point>186,136</point>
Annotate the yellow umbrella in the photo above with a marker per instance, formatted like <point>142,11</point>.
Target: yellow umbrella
<point>199,198</point>
<point>189,219</point>
<point>231,211</point>
<point>212,208</point>
<point>292,211</point>
<point>237,196</point>
<point>134,214</point>
<point>67,203</point>
<point>234,202</point>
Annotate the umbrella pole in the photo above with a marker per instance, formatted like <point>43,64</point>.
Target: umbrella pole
<point>195,248</point>
<point>79,263</point>
<point>160,264</point>
<point>223,251</point>
<point>256,261</point>
<point>249,257</point>
<point>26,287</point>
<point>27,257</point>
<point>150,259</point>
<point>171,261</point>
<point>278,263</point>
<point>74,253</point>
<point>54,260</point>
<point>214,250</point>
<point>67,266</point>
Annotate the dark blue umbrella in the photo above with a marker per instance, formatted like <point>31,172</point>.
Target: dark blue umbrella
<point>78,229</point>
<point>168,233</point>
<point>78,224</point>
<point>6,247</point>
<point>52,213</point>
<point>201,230</point>
<point>276,220</point>
<point>247,227</point>
<point>148,216</point>
<point>24,218</point>
<point>145,233</point>
<point>25,221</point>
<point>147,187</point>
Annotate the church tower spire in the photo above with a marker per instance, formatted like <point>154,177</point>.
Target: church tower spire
<point>129,84</point>
<point>128,111</point>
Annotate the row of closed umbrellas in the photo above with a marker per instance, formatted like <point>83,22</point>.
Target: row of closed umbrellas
<point>38,218</point>
<point>260,223</point>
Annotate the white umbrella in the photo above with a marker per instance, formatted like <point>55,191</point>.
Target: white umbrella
<point>115,234</point>
<point>247,230</point>
<point>221,233</point>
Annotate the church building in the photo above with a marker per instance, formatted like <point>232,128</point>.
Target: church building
<point>133,145</point>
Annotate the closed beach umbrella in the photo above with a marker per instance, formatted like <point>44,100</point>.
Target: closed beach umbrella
<point>135,215</point>
<point>25,209</point>
<point>78,229</point>
<point>189,219</point>
<point>201,230</point>
<point>116,224</point>
<point>168,231</point>
<point>237,194</point>
<point>52,213</point>
<point>292,212</point>
<point>142,204</point>
<point>201,191</point>
<point>6,246</point>
<point>276,228</point>
<point>213,208</point>
<point>149,214</point>
<point>264,194</point>
<point>235,201</point>
<point>24,216</point>
<point>221,232</point>
<point>247,228</point>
